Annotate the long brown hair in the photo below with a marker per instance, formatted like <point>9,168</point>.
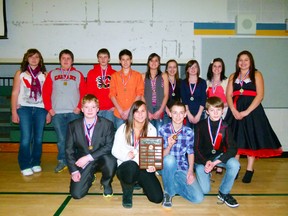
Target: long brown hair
<point>129,122</point>
<point>188,65</point>
<point>148,73</point>
<point>25,63</point>
<point>252,67</point>
<point>166,68</point>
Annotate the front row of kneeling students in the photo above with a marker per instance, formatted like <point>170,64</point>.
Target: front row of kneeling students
<point>188,156</point>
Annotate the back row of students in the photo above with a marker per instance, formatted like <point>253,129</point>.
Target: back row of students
<point>65,86</point>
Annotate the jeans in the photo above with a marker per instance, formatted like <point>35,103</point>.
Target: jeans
<point>107,114</point>
<point>232,167</point>
<point>60,123</point>
<point>175,182</point>
<point>118,122</point>
<point>32,122</point>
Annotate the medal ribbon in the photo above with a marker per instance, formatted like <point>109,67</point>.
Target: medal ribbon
<point>173,85</point>
<point>218,137</point>
<point>240,78</point>
<point>122,77</point>
<point>135,141</point>
<point>192,90</point>
<point>88,129</point>
<point>214,87</point>
<point>103,75</point>
<point>175,132</point>
<point>153,84</point>
<point>65,74</point>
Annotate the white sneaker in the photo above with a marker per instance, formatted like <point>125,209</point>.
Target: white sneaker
<point>36,169</point>
<point>27,172</point>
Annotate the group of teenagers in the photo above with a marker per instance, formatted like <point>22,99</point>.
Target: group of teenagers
<point>205,124</point>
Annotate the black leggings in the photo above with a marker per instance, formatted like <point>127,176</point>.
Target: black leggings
<point>129,173</point>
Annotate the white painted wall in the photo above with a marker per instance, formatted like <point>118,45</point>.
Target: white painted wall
<point>143,26</point>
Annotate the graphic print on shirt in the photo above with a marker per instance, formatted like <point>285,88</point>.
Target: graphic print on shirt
<point>103,83</point>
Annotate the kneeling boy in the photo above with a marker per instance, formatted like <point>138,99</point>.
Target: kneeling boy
<point>214,146</point>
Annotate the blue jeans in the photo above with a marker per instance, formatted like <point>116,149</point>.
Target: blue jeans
<point>60,123</point>
<point>107,114</point>
<point>175,182</point>
<point>118,122</point>
<point>32,122</point>
<point>232,167</point>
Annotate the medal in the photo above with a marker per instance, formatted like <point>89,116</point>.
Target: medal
<point>89,132</point>
<point>218,136</point>
<point>192,91</point>
<point>173,86</point>
<point>241,80</point>
<point>175,133</point>
<point>65,76</point>
<point>123,81</point>
<point>103,76</point>
<point>32,75</point>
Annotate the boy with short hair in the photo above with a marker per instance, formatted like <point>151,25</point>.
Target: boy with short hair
<point>126,86</point>
<point>98,84</point>
<point>214,146</point>
<point>88,149</point>
<point>63,90</point>
<point>178,162</point>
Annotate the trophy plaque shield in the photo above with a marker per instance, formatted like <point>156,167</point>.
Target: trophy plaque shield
<point>151,152</point>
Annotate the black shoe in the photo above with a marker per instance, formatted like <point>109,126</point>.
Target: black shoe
<point>108,192</point>
<point>248,176</point>
<point>167,201</point>
<point>228,200</point>
<point>127,199</point>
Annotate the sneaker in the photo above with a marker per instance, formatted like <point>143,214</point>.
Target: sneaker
<point>60,167</point>
<point>167,201</point>
<point>228,200</point>
<point>36,169</point>
<point>108,192</point>
<point>27,172</point>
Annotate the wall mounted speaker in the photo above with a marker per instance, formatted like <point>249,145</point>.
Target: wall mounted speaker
<point>246,24</point>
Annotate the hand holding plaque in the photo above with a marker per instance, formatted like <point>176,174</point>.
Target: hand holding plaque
<point>151,152</point>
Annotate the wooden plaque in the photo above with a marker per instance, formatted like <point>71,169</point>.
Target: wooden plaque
<point>151,152</point>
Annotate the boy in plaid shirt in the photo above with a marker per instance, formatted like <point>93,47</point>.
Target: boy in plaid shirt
<point>178,175</point>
